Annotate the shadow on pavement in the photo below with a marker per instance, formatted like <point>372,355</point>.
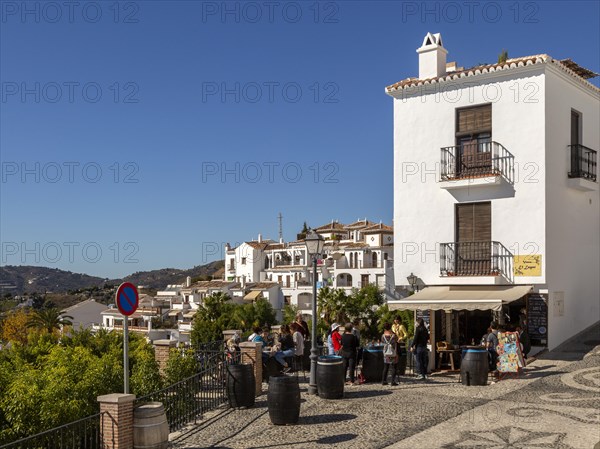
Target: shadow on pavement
<point>326,419</point>
<point>365,394</point>
<point>341,438</point>
<point>337,438</point>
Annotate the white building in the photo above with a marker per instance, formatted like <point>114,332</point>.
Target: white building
<point>496,195</point>
<point>355,255</point>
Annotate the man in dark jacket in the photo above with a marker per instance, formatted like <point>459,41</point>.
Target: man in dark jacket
<point>419,347</point>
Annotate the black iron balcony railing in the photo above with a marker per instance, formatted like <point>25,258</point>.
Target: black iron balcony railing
<point>475,160</point>
<point>475,259</point>
<point>583,162</point>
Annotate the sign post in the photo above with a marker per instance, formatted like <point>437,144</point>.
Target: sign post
<point>127,300</point>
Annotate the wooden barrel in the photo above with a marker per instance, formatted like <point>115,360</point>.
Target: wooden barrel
<point>241,387</point>
<point>283,400</point>
<point>150,426</point>
<point>372,367</point>
<point>474,367</point>
<point>330,377</point>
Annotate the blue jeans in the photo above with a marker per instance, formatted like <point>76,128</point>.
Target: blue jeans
<point>421,360</point>
<point>281,355</point>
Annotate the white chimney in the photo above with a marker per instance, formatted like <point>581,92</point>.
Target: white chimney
<point>432,57</point>
<point>259,238</point>
<point>188,281</point>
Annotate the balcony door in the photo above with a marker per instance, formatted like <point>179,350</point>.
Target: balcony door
<point>473,239</point>
<point>473,141</point>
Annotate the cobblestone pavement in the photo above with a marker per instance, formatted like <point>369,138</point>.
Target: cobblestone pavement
<point>555,404</point>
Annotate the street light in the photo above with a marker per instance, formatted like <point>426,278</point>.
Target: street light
<point>412,280</point>
<point>314,247</point>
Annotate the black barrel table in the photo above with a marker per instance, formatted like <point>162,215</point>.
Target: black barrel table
<point>372,363</point>
<point>283,400</point>
<point>330,377</point>
<point>474,366</point>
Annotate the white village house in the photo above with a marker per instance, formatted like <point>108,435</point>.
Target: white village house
<point>354,255</point>
<point>496,200</point>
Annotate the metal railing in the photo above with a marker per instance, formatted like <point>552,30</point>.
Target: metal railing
<point>583,162</point>
<point>188,399</point>
<point>475,259</point>
<point>477,160</point>
<point>83,433</point>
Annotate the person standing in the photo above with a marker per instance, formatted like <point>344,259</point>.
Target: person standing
<point>390,358</point>
<point>303,327</point>
<point>400,331</point>
<point>348,351</point>
<point>298,339</point>
<point>419,347</point>
<point>336,338</point>
<point>492,344</point>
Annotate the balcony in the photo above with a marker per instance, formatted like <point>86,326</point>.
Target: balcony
<point>475,259</point>
<point>583,168</point>
<point>478,163</point>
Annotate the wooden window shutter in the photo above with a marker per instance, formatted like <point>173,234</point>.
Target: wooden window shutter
<point>474,120</point>
<point>482,222</point>
<point>474,222</point>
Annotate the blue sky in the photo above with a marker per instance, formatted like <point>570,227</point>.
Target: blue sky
<point>141,135</point>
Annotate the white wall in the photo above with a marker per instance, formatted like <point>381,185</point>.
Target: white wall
<point>424,212</point>
<point>573,224</point>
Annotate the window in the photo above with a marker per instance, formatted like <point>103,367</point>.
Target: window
<point>243,261</point>
<point>575,127</point>
<point>473,140</point>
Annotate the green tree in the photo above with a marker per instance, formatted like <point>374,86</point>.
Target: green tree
<point>289,313</point>
<point>180,365</point>
<point>214,316</point>
<point>265,315</point>
<point>503,57</point>
<point>145,376</point>
<point>364,304</point>
<point>49,320</point>
<point>332,305</point>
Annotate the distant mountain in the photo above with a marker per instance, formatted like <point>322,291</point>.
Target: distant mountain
<point>159,279</point>
<point>17,280</point>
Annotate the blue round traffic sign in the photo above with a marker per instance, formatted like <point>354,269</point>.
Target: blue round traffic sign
<point>127,298</point>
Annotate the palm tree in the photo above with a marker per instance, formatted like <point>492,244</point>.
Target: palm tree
<point>49,320</point>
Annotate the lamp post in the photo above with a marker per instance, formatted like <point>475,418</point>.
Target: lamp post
<point>412,280</point>
<point>314,247</point>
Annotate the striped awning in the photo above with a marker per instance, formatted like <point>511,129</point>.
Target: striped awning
<point>253,295</point>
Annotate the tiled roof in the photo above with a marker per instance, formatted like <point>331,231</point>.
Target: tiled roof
<point>354,245</point>
<point>359,224</point>
<point>333,226</point>
<point>262,285</point>
<point>211,284</point>
<point>276,246</point>
<point>259,245</point>
<point>569,67</point>
<point>379,227</point>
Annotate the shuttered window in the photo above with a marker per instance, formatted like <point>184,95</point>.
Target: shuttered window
<point>575,127</point>
<point>474,120</point>
<point>474,222</point>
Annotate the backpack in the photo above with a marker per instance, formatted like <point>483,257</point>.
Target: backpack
<point>388,347</point>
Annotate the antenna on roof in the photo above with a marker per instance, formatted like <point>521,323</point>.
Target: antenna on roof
<point>280,217</point>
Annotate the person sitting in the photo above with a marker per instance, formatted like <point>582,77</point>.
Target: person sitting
<point>262,338</point>
<point>255,332</point>
<point>286,347</point>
